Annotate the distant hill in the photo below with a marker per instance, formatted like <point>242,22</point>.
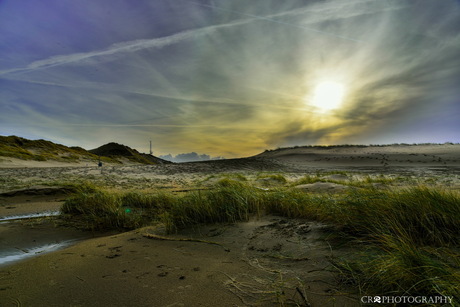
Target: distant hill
<point>426,154</point>
<point>114,150</point>
<point>42,150</point>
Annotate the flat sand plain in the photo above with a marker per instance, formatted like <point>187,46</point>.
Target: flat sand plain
<point>262,262</point>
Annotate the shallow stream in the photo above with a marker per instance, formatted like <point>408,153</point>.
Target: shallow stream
<point>29,235</point>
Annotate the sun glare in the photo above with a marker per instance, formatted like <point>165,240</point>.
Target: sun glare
<point>328,95</point>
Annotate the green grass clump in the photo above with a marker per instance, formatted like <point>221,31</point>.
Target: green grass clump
<point>231,184</point>
<point>293,203</point>
<point>396,266</point>
<point>77,187</point>
<point>428,216</point>
<point>230,201</point>
<point>232,177</point>
<point>412,237</point>
<point>156,200</point>
<point>101,210</point>
<point>368,180</point>
<point>406,267</point>
<point>104,210</point>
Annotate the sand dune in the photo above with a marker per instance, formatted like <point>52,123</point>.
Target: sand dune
<point>354,156</point>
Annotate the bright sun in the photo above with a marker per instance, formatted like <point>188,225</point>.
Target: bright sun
<point>328,95</point>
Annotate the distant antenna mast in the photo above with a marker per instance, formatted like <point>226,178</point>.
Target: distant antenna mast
<point>151,152</point>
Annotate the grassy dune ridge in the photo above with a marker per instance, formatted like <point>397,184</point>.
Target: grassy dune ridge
<point>408,238</point>
<point>43,150</point>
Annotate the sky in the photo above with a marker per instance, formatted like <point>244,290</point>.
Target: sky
<point>230,78</point>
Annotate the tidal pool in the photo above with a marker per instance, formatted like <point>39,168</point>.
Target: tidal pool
<point>26,236</point>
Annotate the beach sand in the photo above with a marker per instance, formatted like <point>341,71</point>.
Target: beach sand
<point>266,261</point>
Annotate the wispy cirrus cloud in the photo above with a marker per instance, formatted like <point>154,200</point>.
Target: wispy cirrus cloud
<point>123,47</point>
<point>317,14</point>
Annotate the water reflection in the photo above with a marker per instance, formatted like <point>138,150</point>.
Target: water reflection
<point>29,216</point>
<point>28,235</point>
<point>16,254</point>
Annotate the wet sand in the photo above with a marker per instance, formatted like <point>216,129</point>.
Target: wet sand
<point>29,225</point>
<point>217,265</point>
